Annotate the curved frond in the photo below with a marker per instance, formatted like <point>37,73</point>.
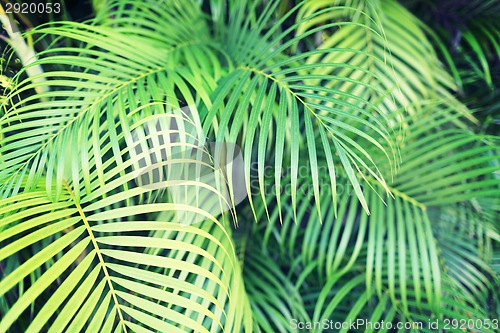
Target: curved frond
<point>267,101</point>
<point>113,71</point>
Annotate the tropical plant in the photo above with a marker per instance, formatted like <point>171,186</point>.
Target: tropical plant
<point>372,185</point>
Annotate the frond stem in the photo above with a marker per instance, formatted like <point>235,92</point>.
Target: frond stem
<point>281,84</point>
<point>99,255</point>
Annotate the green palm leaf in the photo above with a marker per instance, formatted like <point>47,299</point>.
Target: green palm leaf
<point>372,191</point>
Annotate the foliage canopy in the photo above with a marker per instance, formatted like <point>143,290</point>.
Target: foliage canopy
<point>372,181</point>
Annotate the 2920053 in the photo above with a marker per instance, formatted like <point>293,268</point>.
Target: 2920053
<point>32,8</point>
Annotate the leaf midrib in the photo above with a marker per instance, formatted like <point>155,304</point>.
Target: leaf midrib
<point>99,255</point>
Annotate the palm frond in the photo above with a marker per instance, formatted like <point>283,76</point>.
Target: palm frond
<point>113,72</point>
<point>144,272</point>
<point>267,69</point>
